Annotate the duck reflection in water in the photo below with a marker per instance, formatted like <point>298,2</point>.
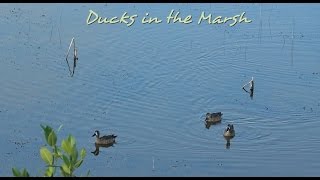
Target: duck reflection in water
<point>209,124</point>
<point>98,146</point>
<point>228,142</point>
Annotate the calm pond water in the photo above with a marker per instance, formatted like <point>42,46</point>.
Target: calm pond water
<point>152,84</point>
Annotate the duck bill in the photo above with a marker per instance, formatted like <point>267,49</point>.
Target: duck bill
<point>93,135</point>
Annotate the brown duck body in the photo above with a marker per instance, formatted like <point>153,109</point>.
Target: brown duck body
<point>104,140</point>
<point>229,131</point>
<point>213,117</point>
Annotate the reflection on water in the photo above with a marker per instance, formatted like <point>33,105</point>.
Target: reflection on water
<point>250,92</point>
<point>228,143</point>
<point>208,124</point>
<point>98,146</point>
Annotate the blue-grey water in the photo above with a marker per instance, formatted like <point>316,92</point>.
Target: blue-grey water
<point>152,84</point>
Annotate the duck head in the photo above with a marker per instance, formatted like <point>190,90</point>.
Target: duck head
<point>96,133</point>
<point>208,115</point>
<point>229,127</point>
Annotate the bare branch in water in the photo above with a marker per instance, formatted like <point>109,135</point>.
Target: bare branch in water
<point>69,47</point>
<point>251,85</point>
<point>75,56</point>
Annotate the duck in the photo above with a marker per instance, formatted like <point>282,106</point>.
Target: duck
<point>104,140</point>
<point>229,132</point>
<point>213,117</point>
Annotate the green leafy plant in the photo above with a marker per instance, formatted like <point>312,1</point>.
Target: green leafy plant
<point>67,152</point>
<point>17,173</point>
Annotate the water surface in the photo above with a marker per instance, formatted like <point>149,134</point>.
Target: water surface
<point>152,84</point>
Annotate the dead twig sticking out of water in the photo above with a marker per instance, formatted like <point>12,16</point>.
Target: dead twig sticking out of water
<point>51,32</point>
<point>59,36</point>
<point>28,28</point>
<point>245,54</point>
<point>59,27</point>
<point>251,85</point>
<point>284,42</point>
<point>75,56</point>
<point>152,163</point>
<point>293,23</point>
<point>269,27</point>
<point>68,55</point>
<point>260,28</point>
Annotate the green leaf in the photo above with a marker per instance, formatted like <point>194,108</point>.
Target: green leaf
<point>57,152</point>
<point>72,140</point>
<point>66,160</point>
<point>65,145</point>
<point>46,155</point>
<point>16,172</point>
<point>63,173</point>
<point>66,169</point>
<point>60,153</point>
<point>83,153</point>
<point>50,172</point>
<point>47,131</point>
<point>74,155</point>
<point>78,163</point>
<point>88,173</point>
<point>52,139</point>
<point>25,173</point>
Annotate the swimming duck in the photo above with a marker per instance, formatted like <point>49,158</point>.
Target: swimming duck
<point>229,131</point>
<point>213,117</point>
<point>109,139</point>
